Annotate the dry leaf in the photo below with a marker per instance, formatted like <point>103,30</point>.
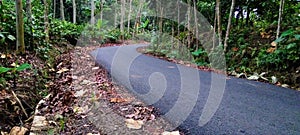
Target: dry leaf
<point>235,49</point>
<point>271,50</point>
<point>3,56</point>
<point>171,133</point>
<point>118,100</point>
<point>13,64</point>
<point>62,70</point>
<point>18,131</point>
<point>134,124</point>
<point>273,44</point>
<point>95,68</point>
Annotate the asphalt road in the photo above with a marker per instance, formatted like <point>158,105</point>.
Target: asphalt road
<point>203,102</point>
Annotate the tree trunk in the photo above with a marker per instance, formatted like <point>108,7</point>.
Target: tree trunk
<point>101,9</point>
<point>122,19</point>
<point>62,12</point>
<point>281,7</point>
<point>196,24</point>
<point>29,16</point>
<point>229,25</point>
<point>54,8</point>
<point>74,11</point>
<point>20,28</point>
<point>218,10</point>
<point>138,18</point>
<point>46,20</point>
<point>214,33</point>
<point>189,24</point>
<point>92,12</point>
<point>178,25</point>
<point>248,16</point>
<point>116,15</point>
<point>129,15</point>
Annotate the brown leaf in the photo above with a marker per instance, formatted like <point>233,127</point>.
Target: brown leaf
<point>134,124</point>
<point>62,70</point>
<point>118,100</point>
<point>271,50</point>
<point>18,131</point>
<point>273,44</point>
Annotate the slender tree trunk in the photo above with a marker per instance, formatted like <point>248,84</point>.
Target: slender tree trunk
<point>281,7</point>
<point>173,36</point>
<point>196,24</point>
<point>29,16</point>
<point>20,27</point>
<point>101,9</point>
<point>74,11</point>
<point>62,12</point>
<point>138,18</point>
<point>218,10</point>
<point>248,16</point>
<point>129,15</point>
<point>214,33</point>
<point>189,24</point>
<point>92,12</point>
<point>178,25</point>
<point>122,18</point>
<point>54,8</point>
<point>229,24</point>
<point>46,21</point>
<point>116,15</point>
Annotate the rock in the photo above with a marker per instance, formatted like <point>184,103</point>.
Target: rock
<point>39,123</point>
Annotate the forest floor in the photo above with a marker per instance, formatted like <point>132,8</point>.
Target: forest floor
<point>82,99</point>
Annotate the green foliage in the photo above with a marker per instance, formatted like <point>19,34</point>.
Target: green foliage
<point>10,73</point>
<point>64,29</point>
<point>201,57</point>
<point>285,56</point>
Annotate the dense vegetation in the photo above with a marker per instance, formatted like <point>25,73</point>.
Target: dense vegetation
<point>262,42</point>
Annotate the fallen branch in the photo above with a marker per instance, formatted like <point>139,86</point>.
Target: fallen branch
<point>19,103</point>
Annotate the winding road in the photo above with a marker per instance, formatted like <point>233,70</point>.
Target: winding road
<point>203,102</point>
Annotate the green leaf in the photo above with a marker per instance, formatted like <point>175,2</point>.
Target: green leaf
<point>292,45</point>
<point>4,70</point>
<point>279,39</point>
<point>297,36</point>
<point>1,35</point>
<point>287,33</point>
<point>11,37</point>
<point>23,67</point>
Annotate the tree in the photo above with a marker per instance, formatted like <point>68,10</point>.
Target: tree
<point>74,11</point>
<point>62,12</point>
<point>218,14</point>
<point>20,28</point>
<point>101,8</point>
<point>129,15</point>
<point>54,8</point>
<point>229,25</point>
<point>29,16</point>
<point>281,7</point>
<point>46,20</point>
<point>196,24</point>
<point>122,18</point>
<point>92,12</point>
<point>188,23</point>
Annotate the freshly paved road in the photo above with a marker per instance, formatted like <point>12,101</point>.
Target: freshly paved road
<point>240,106</point>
